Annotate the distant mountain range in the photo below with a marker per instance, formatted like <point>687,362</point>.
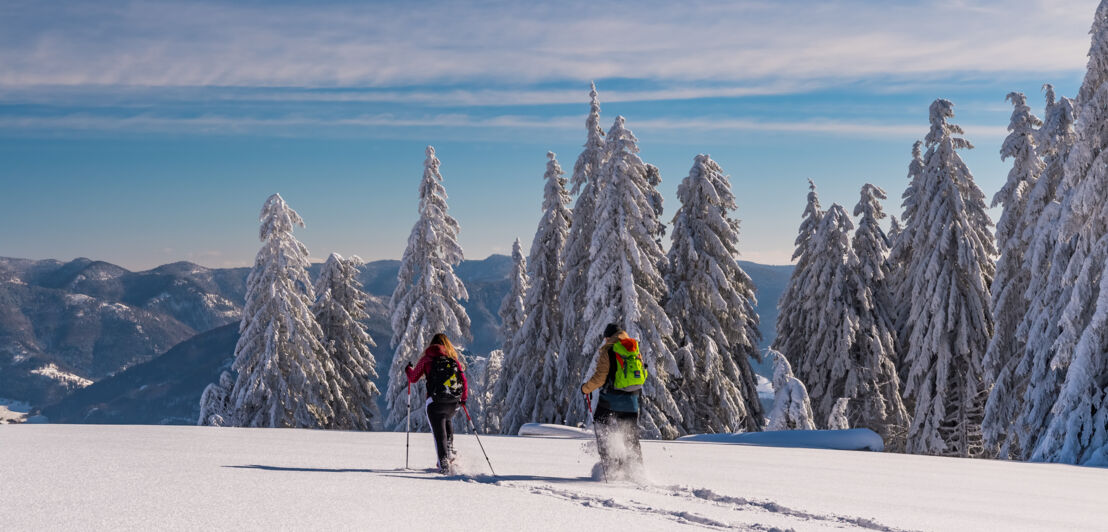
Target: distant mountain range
<point>101,344</point>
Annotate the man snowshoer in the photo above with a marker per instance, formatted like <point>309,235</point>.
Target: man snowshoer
<point>446,389</point>
<point>616,420</point>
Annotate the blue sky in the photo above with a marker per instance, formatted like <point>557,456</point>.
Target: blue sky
<point>145,133</point>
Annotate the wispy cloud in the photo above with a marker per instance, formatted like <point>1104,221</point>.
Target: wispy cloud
<point>173,44</point>
<point>300,125</point>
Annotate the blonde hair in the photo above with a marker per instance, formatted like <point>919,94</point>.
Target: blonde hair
<point>441,339</point>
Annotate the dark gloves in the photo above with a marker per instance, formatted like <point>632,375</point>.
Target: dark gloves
<point>463,403</point>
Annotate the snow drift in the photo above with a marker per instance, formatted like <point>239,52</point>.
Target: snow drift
<point>839,440</point>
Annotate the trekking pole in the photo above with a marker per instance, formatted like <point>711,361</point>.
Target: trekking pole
<point>474,429</point>
<point>408,428</point>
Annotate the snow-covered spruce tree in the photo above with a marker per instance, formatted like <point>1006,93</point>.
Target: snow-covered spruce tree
<point>1047,259</point>
<point>427,295</point>
<point>625,286</point>
<point>574,346</point>
<point>533,393</point>
<point>1078,431</point>
<point>340,311</point>
<point>512,312</point>
<point>492,407</point>
<point>280,359</point>
<point>900,255</point>
<point>839,420</point>
<point>711,305</point>
<point>1012,276</point>
<point>792,317</point>
<point>791,407</point>
<point>824,362</point>
<point>872,384</point>
<point>512,315</point>
<point>948,326</point>
<point>215,402</point>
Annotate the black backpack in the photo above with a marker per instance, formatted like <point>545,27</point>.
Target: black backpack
<point>444,382</point>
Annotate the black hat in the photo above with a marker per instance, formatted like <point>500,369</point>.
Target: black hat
<point>612,329</point>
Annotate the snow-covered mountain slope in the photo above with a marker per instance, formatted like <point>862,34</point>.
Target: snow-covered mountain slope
<point>167,388</point>
<point>70,477</point>
<point>66,325</point>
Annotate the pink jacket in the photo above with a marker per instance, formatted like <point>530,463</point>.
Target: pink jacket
<point>424,365</point>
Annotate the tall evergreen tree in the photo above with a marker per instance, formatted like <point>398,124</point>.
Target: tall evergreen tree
<point>512,316</point>
<point>824,363</point>
<point>711,304</point>
<point>949,324</point>
<point>512,308</point>
<point>900,255</point>
<point>427,295</point>
<point>532,392</point>
<point>624,283</point>
<point>340,311</point>
<point>1078,431</point>
<point>280,359</point>
<point>792,317</point>
<point>1009,303</point>
<point>1047,259</point>
<point>574,345</point>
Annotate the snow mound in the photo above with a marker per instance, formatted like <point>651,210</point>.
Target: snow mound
<point>554,431</point>
<point>841,440</point>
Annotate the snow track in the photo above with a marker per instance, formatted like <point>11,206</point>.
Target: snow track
<point>73,477</point>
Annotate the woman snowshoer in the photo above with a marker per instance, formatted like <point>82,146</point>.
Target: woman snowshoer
<point>446,389</point>
<point>616,420</point>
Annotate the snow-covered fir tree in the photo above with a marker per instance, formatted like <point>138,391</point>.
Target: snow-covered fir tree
<point>792,317</point>
<point>711,304</point>
<point>215,402</point>
<point>1032,378</point>
<point>340,311</point>
<point>824,362</point>
<point>491,407</point>
<point>428,292</point>
<point>871,382</point>
<point>791,407</point>
<point>625,286</point>
<point>900,254</point>
<point>484,407</point>
<point>1009,303</point>
<point>533,393</point>
<point>512,315</point>
<point>948,325</point>
<point>1078,431</point>
<point>574,345</point>
<point>512,312</point>
<point>280,360</point>
<point>839,420</point>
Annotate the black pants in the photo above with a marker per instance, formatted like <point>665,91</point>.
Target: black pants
<point>439,415</point>
<point>617,437</point>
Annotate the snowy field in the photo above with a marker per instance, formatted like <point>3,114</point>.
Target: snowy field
<point>74,477</point>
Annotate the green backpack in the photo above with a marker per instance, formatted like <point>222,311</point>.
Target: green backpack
<point>631,373</point>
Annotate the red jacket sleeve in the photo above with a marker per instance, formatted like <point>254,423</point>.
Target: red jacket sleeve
<point>465,384</point>
<point>419,370</point>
